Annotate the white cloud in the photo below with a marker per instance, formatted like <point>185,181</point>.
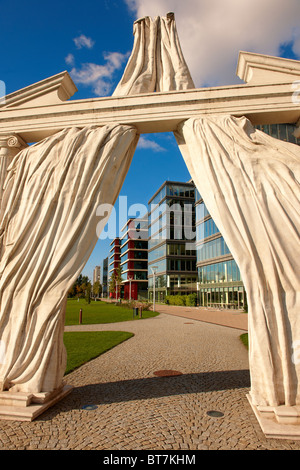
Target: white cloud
<point>145,143</point>
<point>115,59</point>
<point>212,32</point>
<point>83,41</point>
<point>70,59</point>
<point>99,76</point>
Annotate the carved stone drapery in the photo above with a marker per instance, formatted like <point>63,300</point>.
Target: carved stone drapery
<point>10,146</point>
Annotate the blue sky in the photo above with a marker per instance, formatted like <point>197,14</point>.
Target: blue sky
<point>92,40</point>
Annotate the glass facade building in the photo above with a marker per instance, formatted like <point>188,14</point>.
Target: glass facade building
<point>219,279</point>
<point>171,244</point>
<point>283,132</point>
<point>105,277</point>
<point>184,247</point>
<point>114,261</point>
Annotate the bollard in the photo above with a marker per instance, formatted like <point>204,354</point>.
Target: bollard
<point>80,316</point>
<point>135,312</point>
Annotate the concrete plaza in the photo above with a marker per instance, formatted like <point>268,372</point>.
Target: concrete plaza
<point>120,403</point>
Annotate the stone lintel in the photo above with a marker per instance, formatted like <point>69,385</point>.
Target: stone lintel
<point>155,112</point>
<point>268,97</point>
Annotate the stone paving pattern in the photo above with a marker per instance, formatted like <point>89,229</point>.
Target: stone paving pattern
<point>137,410</point>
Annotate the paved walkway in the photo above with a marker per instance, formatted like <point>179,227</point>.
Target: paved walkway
<point>230,318</point>
<point>134,409</point>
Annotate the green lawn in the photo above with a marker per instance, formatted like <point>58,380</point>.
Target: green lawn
<point>100,312</point>
<point>82,346</point>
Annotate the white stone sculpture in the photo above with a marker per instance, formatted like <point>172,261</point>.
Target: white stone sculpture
<point>156,62</point>
<point>47,233</point>
<point>250,184</point>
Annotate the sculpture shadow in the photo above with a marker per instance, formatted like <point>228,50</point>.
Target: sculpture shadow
<point>150,387</point>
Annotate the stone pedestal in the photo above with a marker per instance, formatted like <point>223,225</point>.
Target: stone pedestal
<point>279,422</point>
<point>28,406</point>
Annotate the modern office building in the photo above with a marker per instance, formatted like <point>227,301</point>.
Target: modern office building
<point>134,259</point>
<point>283,132</point>
<point>105,277</point>
<point>186,250</point>
<point>114,261</point>
<point>219,279</point>
<point>171,244</point>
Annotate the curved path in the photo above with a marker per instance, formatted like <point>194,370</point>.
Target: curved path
<point>134,409</point>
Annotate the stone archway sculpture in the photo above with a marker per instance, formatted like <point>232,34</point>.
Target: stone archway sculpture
<point>249,181</point>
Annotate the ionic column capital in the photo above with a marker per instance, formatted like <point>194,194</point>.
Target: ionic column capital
<point>12,142</point>
<point>10,145</point>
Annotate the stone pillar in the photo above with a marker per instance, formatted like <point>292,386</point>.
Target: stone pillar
<point>10,145</point>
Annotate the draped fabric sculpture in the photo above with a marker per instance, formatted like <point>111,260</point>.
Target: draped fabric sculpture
<point>48,216</point>
<point>156,62</point>
<point>250,184</point>
<point>248,180</point>
<point>48,231</point>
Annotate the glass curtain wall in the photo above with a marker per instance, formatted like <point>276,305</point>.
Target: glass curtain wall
<point>171,244</point>
<point>219,280</point>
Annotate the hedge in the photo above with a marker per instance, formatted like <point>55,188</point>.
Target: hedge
<point>182,300</point>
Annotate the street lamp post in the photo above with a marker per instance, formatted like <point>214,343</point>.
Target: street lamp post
<point>130,279</point>
<point>153,268</point>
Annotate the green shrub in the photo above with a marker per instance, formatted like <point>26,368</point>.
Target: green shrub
<point>191,300</point>
<point>144,305</point>
<point>181,300</point>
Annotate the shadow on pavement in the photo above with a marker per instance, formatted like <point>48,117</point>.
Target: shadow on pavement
<point>150,387</point>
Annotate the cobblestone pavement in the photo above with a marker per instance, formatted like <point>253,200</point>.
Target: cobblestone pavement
<point>137,410</point>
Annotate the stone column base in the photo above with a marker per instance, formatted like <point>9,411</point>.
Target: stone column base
<point>20,406</point>
<point>279,422</point>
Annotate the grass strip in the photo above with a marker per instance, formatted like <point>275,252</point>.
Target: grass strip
<point>244,339</point>
<point>100,312</point>
<point>83,346</point>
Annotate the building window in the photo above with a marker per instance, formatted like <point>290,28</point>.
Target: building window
<point>227,271</point>
<point>212,249</point>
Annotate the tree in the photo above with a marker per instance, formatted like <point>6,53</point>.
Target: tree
<point>88,290</point>
<point>81,287</point>
<point>97,289</point>
<point>116,280</point>
<point>112,283</point>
